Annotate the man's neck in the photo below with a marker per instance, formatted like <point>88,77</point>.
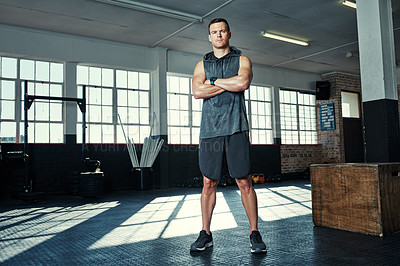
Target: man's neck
<point>221,52</point>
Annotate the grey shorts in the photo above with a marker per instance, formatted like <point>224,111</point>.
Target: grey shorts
<point>236,148</point>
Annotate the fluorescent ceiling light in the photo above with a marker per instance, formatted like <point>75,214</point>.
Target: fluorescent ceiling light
<point>153,9</point>
<point>348,3</point>
<point>284,38</point>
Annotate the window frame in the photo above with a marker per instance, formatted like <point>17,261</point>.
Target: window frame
<point>117,88</point>
<point>298,134</point>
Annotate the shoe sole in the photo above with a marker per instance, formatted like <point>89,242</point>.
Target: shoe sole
<point>209,244</point>
<point>257,250</point>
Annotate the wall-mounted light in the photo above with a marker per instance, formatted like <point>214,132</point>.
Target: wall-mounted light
<point>284,38</point>
<point>348,3</point>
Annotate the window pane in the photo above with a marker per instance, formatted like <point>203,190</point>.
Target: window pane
<point>123,113</point>
<point>184,102</point>
<point>185,135</point>
<point>133,115</point>
<point>8,132</point>
<point>94,113</point>
<point>133,98</point>
<point>195,135</point>
<point>95,133</point>
<point>173,84</point>
<point>184,85</point>
<point>7,90</point>
<point>107,97</point>
<point>184,118</point>
<point>134,132</point>
<point>144,116</point>
<point>82,75</point>
<point>174,135</point>
<point>144,99</point>
<point>56,90</point>
<point>56,72</point>
<point>144,83</point>
<point>260,94</point>
<point>107,77</point>
<point>133,80</point>
<point>122,97</point>
<point>173,101</point>
<point>94,95</point>
<point>107,114</point>
<point>144,132</point>
<point>9,67</point>
<point>173,117</point>
<point>254,136</point>
<point>42,111</point>
<point>56,133</point>
<point>42,89</point>
<point>122,79</point>
<point>42,133</point>
<point>254,107</point>
<point>95,76</point>
<point>108,134</point>
<point>55,112</point>
<point>267,93</point>
<point>42,71</point>
<point>27,69</point>
<point>253,92</point>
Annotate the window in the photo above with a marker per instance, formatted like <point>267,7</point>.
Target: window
<point>298,119</point>
<point>184,112</point>
<point>261,114</point>
<point>350,105</point>
<point>131,103</point>
<point>45,117</point>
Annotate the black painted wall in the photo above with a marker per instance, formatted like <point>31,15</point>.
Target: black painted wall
<point>54,166</point>
<point>382,132</point>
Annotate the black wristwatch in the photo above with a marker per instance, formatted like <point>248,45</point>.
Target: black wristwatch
<point>212,80</point>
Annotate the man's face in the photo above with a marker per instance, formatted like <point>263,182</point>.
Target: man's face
<point>219,35</point>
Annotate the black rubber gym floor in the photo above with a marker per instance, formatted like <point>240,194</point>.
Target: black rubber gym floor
<point>157,227</point>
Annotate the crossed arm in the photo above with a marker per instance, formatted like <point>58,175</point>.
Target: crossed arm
<point>202,89</point>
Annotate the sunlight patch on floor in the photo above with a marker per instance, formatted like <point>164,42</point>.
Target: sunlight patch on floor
<point>41,224</point>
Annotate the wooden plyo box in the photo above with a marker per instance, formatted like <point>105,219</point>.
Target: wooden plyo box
<point>363,198</point>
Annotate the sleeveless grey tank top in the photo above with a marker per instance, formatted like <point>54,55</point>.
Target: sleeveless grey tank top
<point>224,114</point>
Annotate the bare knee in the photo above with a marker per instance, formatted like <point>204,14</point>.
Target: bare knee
<point>244,185</point>
<point>209,185</point>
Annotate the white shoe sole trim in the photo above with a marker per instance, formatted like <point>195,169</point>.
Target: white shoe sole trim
<point>209,244</point>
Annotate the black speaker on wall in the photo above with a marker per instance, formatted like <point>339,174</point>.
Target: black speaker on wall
<point>323,90</point>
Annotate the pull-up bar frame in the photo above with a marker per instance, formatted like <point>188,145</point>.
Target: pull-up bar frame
<point>28,100</point>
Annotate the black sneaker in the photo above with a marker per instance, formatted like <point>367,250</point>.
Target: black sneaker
<point>256,243</point>
<point>203,241</point>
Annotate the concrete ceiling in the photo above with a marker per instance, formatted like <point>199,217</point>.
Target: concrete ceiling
<point>330,27</point>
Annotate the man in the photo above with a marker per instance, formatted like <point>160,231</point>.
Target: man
<point>220,79</point>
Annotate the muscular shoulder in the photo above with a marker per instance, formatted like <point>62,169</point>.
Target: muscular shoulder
<point>199,70</point>
<point>245,60</point>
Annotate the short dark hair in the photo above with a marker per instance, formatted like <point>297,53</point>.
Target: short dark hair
<point>217,20</point>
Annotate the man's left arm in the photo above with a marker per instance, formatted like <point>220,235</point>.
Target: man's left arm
<point>240,82</point>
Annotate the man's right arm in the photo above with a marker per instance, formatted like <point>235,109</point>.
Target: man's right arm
<point>200,88</point>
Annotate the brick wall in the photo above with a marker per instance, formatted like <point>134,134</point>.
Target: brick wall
<point>332,141</point>
<point>297,158</point>
<point>330,148</point>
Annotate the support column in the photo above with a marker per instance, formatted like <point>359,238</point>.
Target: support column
<point>378,80</point>
<point>276,120</point>
<point>159,107</point>
<point>70,114</point>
